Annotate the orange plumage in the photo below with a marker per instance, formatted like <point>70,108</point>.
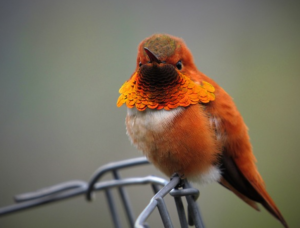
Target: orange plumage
<point>185,122</point>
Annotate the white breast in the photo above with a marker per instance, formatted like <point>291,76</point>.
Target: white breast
<point>151,119</point>
<point>144,127</point>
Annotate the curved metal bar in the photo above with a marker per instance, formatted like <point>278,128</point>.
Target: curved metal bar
<point>164,214</point>
<point>176,187</point>
<point>125,200</point>
<point>185,192</point>
<point>65,192</point>
<point>112,166</point>
<point>181,212</point>
<point>44,200</point>
<point>50,190</point>
<point>130,181</point>
<point>194,214</point>
<point>154,202</point>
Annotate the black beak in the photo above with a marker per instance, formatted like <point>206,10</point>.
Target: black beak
<point>151,56</point>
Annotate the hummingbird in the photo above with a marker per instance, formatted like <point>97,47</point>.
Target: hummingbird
<point>185,123</point>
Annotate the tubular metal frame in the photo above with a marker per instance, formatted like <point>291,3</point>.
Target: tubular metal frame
<point>176,187</point>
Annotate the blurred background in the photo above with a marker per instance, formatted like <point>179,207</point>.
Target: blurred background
<point>62,63</point>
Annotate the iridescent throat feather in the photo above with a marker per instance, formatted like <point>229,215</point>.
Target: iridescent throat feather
<point>164,87</point>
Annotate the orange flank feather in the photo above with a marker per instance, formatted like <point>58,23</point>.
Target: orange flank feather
<point>185,122</point>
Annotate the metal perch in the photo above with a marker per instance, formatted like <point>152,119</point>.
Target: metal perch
<point>176,187</point>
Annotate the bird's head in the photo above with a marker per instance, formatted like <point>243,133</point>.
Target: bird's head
<point>165,51</point>
<point>162,78</point>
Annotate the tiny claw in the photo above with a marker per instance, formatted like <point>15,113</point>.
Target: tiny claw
<point>181,181</point>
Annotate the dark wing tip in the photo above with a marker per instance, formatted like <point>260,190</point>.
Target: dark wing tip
<point>232,174</point>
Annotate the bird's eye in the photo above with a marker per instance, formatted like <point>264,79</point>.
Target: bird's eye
<point>179,65</point>
<point>140,64</point>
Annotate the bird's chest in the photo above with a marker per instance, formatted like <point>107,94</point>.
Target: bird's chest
<point>147,129</point>
<point>179,140</point>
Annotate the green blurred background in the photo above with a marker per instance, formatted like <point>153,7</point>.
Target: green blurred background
<point>62,63</point>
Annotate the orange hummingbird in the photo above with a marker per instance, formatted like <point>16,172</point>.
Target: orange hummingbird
<point>184,122</point>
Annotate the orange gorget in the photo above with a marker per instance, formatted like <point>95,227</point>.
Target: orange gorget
<point>182,93</point>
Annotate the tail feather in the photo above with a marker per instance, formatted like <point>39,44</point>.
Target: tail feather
<point>250,202</point>
<point>248,191</point>
<point>270,205</point>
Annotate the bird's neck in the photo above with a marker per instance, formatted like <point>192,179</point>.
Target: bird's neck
<point>182,92</point>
